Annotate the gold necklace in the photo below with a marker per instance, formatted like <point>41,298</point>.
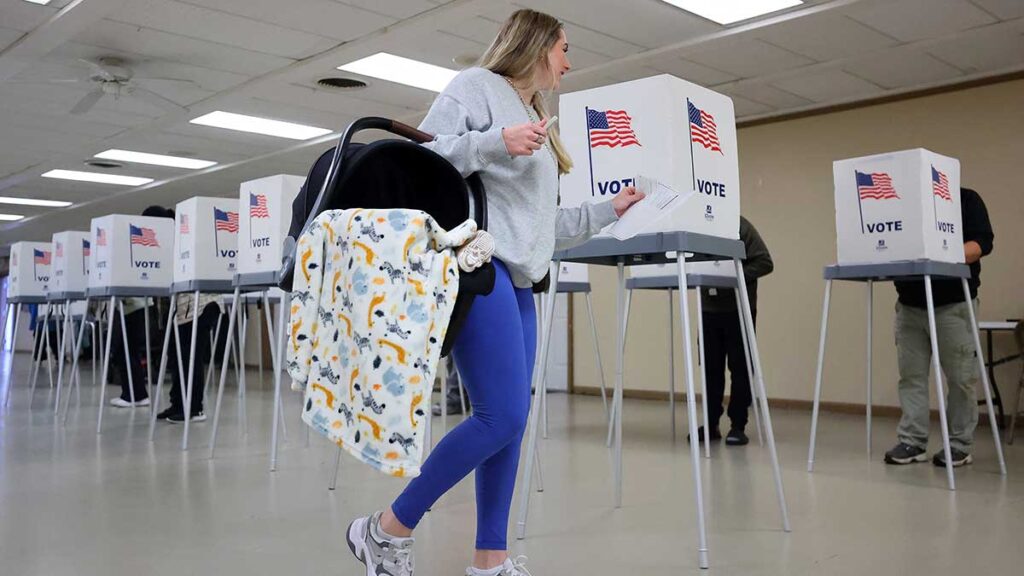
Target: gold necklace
<point>531,114</point>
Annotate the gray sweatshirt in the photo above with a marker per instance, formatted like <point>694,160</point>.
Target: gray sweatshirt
<point>522,192</point>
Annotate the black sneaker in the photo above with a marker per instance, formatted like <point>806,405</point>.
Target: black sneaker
<point>715,434</point>
<point>166,414</point>
<point>179,417</point>
<point>736,437</point>
<point>960,458</point>
<point>904,453</point>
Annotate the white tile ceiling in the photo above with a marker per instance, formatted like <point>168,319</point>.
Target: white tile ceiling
<point>264,57</point>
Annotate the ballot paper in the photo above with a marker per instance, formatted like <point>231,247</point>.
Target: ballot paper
<point>659,201</point>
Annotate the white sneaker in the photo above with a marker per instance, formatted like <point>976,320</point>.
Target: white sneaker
<point>512,567</point>
<point>381,555</point>
<point>120,403</point>
<point>180,418</point>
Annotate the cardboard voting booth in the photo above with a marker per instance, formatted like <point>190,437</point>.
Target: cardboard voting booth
<point>70,270</point>
<point>265,215</point>
<point>898,206</point>
<point>206,242</point>
<point>31,263</point>
<point>133,253</point>
<point>676,132</point>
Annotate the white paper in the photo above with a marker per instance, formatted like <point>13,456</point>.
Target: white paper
<point>659,201</point>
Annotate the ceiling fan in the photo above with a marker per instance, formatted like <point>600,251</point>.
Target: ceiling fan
<point>112,76</point>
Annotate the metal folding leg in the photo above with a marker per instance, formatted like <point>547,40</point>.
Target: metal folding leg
<point>939,390</point>
<point>13,317</point>
<point>986,385</point>
<point>691,407</point>
<point>867,407</point>
<point>597,353</point>
<point>60,357</point>
<point>127,353</point>
<point>755,404</point>
<point>763,395</point>
<point>703,377</point>
<point>164,352</point>
<point>823,334</point>
<point>232,318</point>
<point>538,385</point>
<point>74,361</point>
<point>278,364</point>
<point>42,331</point>
<point>106,362</point>
<point>187,409</point>
<point>624,326</point>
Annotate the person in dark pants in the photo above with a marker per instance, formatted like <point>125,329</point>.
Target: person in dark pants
<point>135,324</point>
<point>723,341</point>
<point>209,310</point>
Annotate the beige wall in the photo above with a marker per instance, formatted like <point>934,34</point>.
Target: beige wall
<point>786,178</point>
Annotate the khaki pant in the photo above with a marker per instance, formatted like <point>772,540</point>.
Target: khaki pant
<point>959,364</point>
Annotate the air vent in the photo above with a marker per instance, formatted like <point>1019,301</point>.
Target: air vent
<point>104,164</point>
<point>341,83</point>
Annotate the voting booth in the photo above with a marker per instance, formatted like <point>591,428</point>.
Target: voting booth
<point>206,244</point>
<point>70,271</point>
<point>898,206</point>
<point>265,215</point>
<point>676,132</point>
<point>31,263</point>
<point>131,254</point>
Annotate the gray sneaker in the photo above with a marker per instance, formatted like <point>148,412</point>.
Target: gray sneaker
<point>382,556</point>
<point>511,567</point>
<point>904,453</point>
<point>960,458</point>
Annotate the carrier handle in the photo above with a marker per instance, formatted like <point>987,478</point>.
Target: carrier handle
<point>476,187</point>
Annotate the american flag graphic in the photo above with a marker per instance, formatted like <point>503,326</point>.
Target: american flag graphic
<point>226,221</point>
<point>703,129</point>
<point>183,228</point>
<point>86,248</point>
<point>41,257</point>
<point>875,186</point>
<point>258,206</point>
<point>611,128</point>
<point>940,185</point>
<point>143,236</point>
<point>101,237</point>
<point>59,250</point>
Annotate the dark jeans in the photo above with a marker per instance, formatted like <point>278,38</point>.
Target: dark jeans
<point>135,324</point>
<point>723,344</point>
<point>207,323</point>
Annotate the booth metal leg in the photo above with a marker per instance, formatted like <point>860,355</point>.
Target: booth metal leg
<point>817,377</point>
<point>164,357</point>
<point>106,361</point>
<point>538,386</point>
<point>74,361</point>
<point>691,407</point>
<point>187,409</point>
<point>42,332</point>
<point>13,317</point>
<point>703,376</point>
<point>939,390</point>
<point>278,361</point>
<point>60,359</point>
<point>986,385</point>
<point>869,370</point>
<point>597,353</point>
<point>763,394</point>
<point>232,317</point>
<point>624,326</point>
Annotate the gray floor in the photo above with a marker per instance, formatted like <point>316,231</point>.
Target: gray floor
<point>72,502</point>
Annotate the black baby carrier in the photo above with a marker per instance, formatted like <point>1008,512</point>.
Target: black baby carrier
<point>387,174</point>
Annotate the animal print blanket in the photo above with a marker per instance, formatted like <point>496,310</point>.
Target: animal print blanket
<point>372,298</point>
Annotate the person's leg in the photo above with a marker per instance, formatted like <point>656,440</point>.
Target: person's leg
<point>135,322</point>
<point>716,345</point>
<point>914,355</point>
<point>492,364</point>
<point>739,391</point>
<point>207,324</point>
<point>496,476</point>
<point>960,365</point>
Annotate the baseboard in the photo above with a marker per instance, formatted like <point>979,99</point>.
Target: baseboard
<point>780,403</point>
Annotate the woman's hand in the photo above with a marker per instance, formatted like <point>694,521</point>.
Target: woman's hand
<point>626,198</point>
<point>524,139</point>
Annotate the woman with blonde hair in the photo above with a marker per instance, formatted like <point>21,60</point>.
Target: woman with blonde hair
<point>491,120</point>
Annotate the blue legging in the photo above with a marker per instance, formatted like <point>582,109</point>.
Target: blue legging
<point>494,354</point>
